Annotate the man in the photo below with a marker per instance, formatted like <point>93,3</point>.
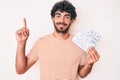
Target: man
<point>59,57</point>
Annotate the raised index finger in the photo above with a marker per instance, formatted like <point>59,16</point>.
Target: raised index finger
<point>24,23</point>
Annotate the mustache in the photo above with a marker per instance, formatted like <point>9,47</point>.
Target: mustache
<point>59,23</point>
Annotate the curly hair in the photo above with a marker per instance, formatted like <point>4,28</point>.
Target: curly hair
<point>64,6</point>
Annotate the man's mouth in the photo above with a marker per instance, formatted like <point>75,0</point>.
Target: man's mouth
<point>63,24</point>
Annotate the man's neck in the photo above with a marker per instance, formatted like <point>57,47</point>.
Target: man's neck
<point>61,36</point>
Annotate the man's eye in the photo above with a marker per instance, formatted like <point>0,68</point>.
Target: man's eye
<point>57,15</point>
<point>67,17</point>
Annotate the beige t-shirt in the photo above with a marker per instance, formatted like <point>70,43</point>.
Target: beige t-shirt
<point>59,59</point>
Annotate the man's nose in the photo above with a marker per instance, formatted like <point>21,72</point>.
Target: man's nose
<point>62,19</point>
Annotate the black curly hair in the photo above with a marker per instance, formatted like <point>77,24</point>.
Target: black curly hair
<point>64,6</point>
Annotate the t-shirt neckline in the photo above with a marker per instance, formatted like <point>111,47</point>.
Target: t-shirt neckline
<point>60,39</point>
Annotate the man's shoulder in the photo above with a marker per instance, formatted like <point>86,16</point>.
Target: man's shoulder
<point>44,37</point>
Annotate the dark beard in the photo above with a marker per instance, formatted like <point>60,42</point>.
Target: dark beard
<point>61,29</point>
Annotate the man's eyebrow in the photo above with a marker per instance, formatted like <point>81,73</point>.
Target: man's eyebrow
<point>68,15</point>
<point>57,13</point>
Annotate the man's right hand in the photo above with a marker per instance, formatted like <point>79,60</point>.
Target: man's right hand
<point>23,33</point>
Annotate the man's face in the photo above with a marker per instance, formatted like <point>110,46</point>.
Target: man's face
<point>62,21</point>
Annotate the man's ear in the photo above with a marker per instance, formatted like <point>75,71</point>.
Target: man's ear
<point>52,18</point>
<point>73,20</point>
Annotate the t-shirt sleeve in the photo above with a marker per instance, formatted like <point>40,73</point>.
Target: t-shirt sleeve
<point>83,58</point>
<point>33,53</point>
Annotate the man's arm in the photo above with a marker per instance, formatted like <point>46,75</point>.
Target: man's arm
<point>84,70</point>
<point>92,57</point>
<point>22,62</point>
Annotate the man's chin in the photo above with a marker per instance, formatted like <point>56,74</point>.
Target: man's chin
<point>61,29</point>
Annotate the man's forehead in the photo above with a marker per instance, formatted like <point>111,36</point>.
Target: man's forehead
<point>62,12</point>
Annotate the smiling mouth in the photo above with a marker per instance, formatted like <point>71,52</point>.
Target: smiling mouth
<point>62,24</point>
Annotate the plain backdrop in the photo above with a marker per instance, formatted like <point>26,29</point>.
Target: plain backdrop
<point>101,15</point>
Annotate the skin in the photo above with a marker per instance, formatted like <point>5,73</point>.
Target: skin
<point>23,63</point>
<point>63,18</point>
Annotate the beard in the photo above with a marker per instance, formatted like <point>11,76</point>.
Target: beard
<point>61,29</point>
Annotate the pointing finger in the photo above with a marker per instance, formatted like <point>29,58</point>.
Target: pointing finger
<point>24,23</point>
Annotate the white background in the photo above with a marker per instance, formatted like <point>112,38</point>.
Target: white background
<point>101,15</point>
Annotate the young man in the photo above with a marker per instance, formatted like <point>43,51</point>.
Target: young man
<point>59,57</point>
